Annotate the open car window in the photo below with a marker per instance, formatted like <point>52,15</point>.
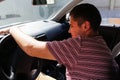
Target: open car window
<point>109,9</point>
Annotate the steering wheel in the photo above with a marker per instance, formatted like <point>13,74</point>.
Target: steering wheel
<point>14,63</point>
<point>6,71</point>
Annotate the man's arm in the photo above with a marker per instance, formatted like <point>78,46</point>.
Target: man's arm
<point>30,45</point>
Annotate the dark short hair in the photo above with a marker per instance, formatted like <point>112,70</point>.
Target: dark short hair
<point>87,12</point>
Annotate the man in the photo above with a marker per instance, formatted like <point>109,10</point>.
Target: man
<point>85,55</point>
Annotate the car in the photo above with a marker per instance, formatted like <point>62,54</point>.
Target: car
<point>48,20</point>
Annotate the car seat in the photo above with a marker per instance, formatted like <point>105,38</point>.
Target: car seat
<point>116,56</point>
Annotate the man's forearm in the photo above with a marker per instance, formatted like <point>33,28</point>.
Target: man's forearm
<point>22,39</point>
<point>30,45</point>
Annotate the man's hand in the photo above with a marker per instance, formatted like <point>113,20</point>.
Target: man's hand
<point>7,30</point>
<point>4,31</point>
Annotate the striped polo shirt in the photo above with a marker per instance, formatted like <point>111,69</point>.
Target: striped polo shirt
<point>84,58</point>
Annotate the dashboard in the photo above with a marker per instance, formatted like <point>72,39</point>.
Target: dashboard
<point>13,56</point>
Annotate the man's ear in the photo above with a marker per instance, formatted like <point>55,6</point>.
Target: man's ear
<point>87,25</point>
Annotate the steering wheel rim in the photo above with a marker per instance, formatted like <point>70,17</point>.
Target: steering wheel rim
<point>3,49</point>
<point>10,74</point>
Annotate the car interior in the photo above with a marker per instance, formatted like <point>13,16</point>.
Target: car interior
<point>16,65</point>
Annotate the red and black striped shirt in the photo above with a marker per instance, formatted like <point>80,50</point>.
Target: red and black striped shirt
<point>84,58</point>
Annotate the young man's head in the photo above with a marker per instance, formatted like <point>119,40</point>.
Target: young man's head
<point>85,20</point>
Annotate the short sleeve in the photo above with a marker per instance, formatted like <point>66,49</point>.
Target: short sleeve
<point>63,51</point>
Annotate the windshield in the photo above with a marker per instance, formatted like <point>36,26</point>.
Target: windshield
<point>19,11</point>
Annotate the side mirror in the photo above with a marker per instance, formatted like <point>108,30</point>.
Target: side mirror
<point>43,2</point>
